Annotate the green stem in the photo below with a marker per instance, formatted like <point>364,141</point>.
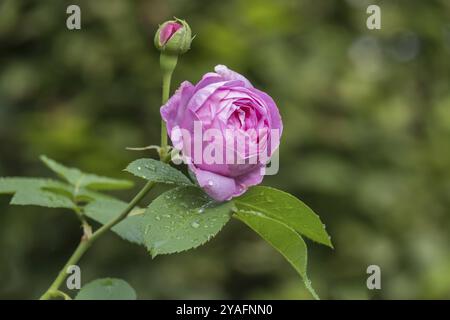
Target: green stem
<point>87,229</point>
<point>87,242</point>
<point>167,77</point>
<point>59,294</point>
<point>167,63</point>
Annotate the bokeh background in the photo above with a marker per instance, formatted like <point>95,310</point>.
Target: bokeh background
<point>366,141</point>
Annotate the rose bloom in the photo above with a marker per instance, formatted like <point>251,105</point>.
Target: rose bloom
<point>232,122</point>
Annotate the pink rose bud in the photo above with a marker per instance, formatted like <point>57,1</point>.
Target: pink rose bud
<point>226,130</point>
<point>173,37</point>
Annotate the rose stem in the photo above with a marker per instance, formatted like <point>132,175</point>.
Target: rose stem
<point>85,243</point>
<point>167,63</point>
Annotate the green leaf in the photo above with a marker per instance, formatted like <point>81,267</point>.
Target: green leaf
<point>43,198</point>
<point>106,289</point>
<point>46,192</point>
<point>38,192</point>
<point>285,208</point>
<point>283,238</point>
<point>11,185</point>
<point>193,178</point>
<point>86,195</point>
<point>75,193</point>
<point>181,219</point>
<point>105,210</point>
<point>79,179</point>
<point>157,171</point>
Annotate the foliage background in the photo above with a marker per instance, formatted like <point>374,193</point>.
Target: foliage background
<point>366,141</point>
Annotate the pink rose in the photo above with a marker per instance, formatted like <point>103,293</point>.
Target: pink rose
<point>235,126</point>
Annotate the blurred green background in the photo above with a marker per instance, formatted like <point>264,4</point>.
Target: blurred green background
<point>366,141</point>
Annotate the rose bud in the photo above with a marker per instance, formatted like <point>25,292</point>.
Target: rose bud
<point>239,122</point>
<point>173,37</point>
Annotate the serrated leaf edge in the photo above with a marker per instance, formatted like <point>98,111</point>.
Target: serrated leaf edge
<point>304,276</point>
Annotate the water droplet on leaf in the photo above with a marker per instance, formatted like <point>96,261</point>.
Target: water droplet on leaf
<point>195,224</point>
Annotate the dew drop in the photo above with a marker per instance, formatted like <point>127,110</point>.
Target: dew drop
<point>210,183</point>
<point>195,224</point>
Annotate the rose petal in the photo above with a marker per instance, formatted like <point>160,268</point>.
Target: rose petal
<point>228,74</point>
<point>251,178</point>
<point>168,31</point>
<point>218,187</point>
<point>175,108</point>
